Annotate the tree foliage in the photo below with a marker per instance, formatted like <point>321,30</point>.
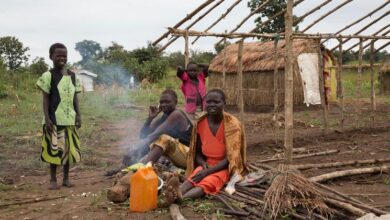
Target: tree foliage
<point>88,50</point>
<point>13,52</point>
<point>271,9</point>
<point>38,66</point>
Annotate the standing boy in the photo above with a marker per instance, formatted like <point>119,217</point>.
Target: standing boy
<point>193,87</point>
<point>60,142</point>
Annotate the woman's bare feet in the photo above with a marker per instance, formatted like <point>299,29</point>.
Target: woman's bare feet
<point>173,193</point>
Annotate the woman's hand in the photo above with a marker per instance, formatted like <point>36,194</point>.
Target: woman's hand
<point>153,111</point>
<point>200,175</point>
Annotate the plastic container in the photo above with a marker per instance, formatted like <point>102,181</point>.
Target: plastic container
<point>143,190</point>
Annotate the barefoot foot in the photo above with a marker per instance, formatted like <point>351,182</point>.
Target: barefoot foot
<point>53,185</point>
<point>68,184</point>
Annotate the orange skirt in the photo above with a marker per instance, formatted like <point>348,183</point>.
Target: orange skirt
<point>212,183</point>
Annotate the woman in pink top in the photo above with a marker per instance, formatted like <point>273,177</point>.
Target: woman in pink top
<point>193,86</point>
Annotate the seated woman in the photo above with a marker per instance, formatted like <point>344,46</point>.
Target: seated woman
<point>217,150</point>
<point>168,135</point>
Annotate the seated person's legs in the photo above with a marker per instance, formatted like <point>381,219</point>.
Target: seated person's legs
<point>170,148</point>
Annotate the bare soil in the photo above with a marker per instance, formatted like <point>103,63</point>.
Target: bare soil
<point>88,201</point>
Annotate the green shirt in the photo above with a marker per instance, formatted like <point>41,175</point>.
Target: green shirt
<point>64,112</point>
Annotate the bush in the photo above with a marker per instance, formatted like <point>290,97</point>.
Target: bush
<point>155,70</point>
<point>38,66</point>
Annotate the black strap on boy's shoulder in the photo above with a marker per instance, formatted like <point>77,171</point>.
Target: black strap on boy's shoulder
<point>73,77</point>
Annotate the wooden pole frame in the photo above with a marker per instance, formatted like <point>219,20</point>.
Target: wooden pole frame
<point>372,80</point>
<point>365,27</point>
<point>276,92</point>
<point>361,19</point>
<point>186,51</point>
<point>326,15</point>
<point>289,86</point>
<point>321,86</point>
<point>224,64</point>
<point>188,17</point>
<point>240,79</point>
<point>220,18</point>
<point>359,84</point>
<point>340,84</point>
<point>375,34</point>
<point>192,24</point>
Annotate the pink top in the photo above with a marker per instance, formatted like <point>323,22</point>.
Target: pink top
<point>190,91</point>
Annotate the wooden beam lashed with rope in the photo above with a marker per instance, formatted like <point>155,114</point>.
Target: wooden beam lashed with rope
<point>321,86</point>
<point>340,89</point>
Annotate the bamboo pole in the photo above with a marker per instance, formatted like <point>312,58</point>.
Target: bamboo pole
<point>359,84</point>
<point>188,17</point>
<point>186,51</point>
<point>276,91</point>
<point>373,106</point>
<point>322,88</point>
<point>365,27</point>
<point>288,102</point>
<point>220,18</point>
<point>326,15</point>
<point>240,79</point>
<point>191,25</point>
<point>361,19</point>
<point>224,64</point>
<point>340,85</point>
<point>375,34</point>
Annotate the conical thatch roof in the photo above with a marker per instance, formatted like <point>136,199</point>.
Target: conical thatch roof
<point>259,56</point>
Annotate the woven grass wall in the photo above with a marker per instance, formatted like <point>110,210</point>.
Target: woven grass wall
<point>257,86</point>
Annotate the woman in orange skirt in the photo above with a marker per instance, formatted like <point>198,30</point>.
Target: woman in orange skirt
<point>217,150</point>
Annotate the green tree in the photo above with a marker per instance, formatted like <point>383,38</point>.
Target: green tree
<point>38,66</point>
<point>219,47</point>
<point>268,11</point>
<point>201,56</point>
<point>13,52</point>
<point>88,50</point>
<point>147,53</point>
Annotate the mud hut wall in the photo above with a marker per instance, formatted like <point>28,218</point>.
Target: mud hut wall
<point>257,88</point>
<point>384,82</point>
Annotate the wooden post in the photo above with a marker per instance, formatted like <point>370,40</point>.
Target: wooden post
<point>288,83</point>
<point>240,80</point>
<point>359,84</point>
<point>340,84</point>
<point>276,91</point>
<point>224,64</point>
<point>322,88</point>
<point>373,106</point>
<point>186,51</point>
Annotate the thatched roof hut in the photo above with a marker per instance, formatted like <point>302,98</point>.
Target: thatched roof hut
<point>258,71</point>
<point>384,79</point>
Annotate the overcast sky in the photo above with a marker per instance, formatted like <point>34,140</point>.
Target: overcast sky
<point>132,23</point>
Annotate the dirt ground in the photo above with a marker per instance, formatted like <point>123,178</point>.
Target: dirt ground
<point>88,200</point>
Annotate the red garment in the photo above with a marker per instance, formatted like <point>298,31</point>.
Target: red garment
<point>191,90</point>
<point>214,149</point>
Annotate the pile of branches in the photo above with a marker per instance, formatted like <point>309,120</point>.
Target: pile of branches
<point>288,193</point>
